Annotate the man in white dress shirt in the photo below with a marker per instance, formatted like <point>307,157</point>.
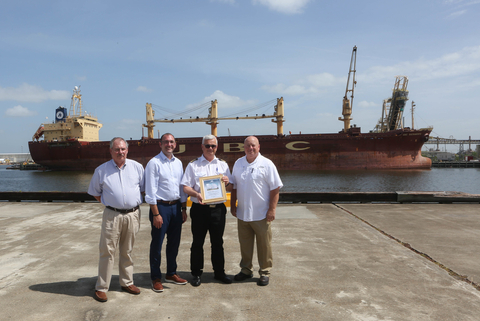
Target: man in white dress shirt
<point>256,186</point>
<point>206,217</point>
<point>118,185</point>
<point>167,200</point>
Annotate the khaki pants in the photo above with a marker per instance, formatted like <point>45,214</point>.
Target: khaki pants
<point>260,231</point>
<point>118,230</point>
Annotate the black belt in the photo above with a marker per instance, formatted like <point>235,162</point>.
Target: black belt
<point>209,205</point>
<point>123,211</point>
<point>168,202</point>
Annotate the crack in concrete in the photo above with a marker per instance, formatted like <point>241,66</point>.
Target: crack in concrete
<point>452,273</point>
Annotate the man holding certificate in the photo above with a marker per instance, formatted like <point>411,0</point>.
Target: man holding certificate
<point>257,186</point>
<point>205,181</point>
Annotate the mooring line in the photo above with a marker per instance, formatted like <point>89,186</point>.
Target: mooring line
<point>408,246</point>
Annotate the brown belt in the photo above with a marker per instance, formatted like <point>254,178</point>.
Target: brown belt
<point>123,211</point>
<point>168,202</point>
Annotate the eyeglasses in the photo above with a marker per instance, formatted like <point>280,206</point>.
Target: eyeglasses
<point>208,146</point>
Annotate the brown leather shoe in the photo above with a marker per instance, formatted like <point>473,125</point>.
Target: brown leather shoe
<point>175,279</point>
<point>100,296</point>
<point>157,285</point>
<point>132,289</point>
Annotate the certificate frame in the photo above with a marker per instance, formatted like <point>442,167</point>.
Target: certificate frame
<point>212,189</point>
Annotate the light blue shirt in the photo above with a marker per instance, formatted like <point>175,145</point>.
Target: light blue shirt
<point>162,180</point>
<point>118,187</point>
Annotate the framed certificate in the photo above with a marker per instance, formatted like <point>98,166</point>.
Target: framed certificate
<point>212,189</point>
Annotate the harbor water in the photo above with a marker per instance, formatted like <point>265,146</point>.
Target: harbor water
<point>436,179</point>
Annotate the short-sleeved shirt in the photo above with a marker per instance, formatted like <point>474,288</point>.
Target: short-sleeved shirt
<point>118,187</point>
<point>201,167</point>
<point>162,180</point>
<point>253,182</point>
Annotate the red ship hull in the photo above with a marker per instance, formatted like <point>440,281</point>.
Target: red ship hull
<point>399,149</point>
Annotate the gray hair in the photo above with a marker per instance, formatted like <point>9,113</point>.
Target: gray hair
<point>209,137</point>
<point>114,139</point>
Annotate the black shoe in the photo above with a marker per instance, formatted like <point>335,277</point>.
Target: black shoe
<point>242,276</point>
<point>225,279</point>
<point>263,280</point>
<point>196,281</point>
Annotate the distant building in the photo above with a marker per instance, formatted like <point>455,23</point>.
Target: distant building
<point>15,157</point>
<point>440,156</point>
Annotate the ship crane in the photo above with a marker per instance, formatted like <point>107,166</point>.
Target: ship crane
<point>212,118</point>
<point>347,103</point>
<point>392,109</point>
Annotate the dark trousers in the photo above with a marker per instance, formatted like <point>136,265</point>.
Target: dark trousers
<point>212,220</point>
<point>172,227</point>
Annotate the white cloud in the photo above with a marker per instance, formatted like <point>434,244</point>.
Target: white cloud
<point>311,84</point>
<point>19,111</point>
<point>143,89</point>
<point>367,104</point>
<point>31,93</point>
<point>284,6</point>
<point>461,63</point>
<point>457,14</point>
<point>225,101</point>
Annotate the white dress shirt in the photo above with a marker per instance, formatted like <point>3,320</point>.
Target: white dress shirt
<point>201,167</point>
<point>253,182</point>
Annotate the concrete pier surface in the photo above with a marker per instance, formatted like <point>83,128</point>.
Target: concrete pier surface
<point>331,262</point>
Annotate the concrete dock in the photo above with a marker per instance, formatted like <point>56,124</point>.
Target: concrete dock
<point>331,262</point>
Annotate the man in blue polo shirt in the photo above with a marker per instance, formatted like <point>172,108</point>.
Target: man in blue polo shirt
<point>118,185</point>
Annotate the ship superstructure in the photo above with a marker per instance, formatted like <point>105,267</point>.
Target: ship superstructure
<point>76,125</point>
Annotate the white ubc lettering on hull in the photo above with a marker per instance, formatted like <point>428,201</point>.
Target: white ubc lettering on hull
<point>291,147</point>
<point>239,147</point>
<point>233,147</point>
<point>181,149</point>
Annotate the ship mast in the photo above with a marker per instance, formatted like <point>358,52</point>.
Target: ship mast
<point>76,104</point>
<point>212,118</point>
<point>347,103</point>
<point>413,109</point>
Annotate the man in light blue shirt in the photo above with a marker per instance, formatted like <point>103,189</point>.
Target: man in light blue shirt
<point>118,185</point>
<point>167,200</point>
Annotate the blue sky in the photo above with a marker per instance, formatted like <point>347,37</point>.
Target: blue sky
<point>180,54</point>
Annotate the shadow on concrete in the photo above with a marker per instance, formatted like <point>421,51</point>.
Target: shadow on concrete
<point>86,286</point>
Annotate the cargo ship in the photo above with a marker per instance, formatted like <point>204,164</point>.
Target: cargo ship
<point>71,142</point>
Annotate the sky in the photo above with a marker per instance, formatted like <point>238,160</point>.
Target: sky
<point>180,55</point>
